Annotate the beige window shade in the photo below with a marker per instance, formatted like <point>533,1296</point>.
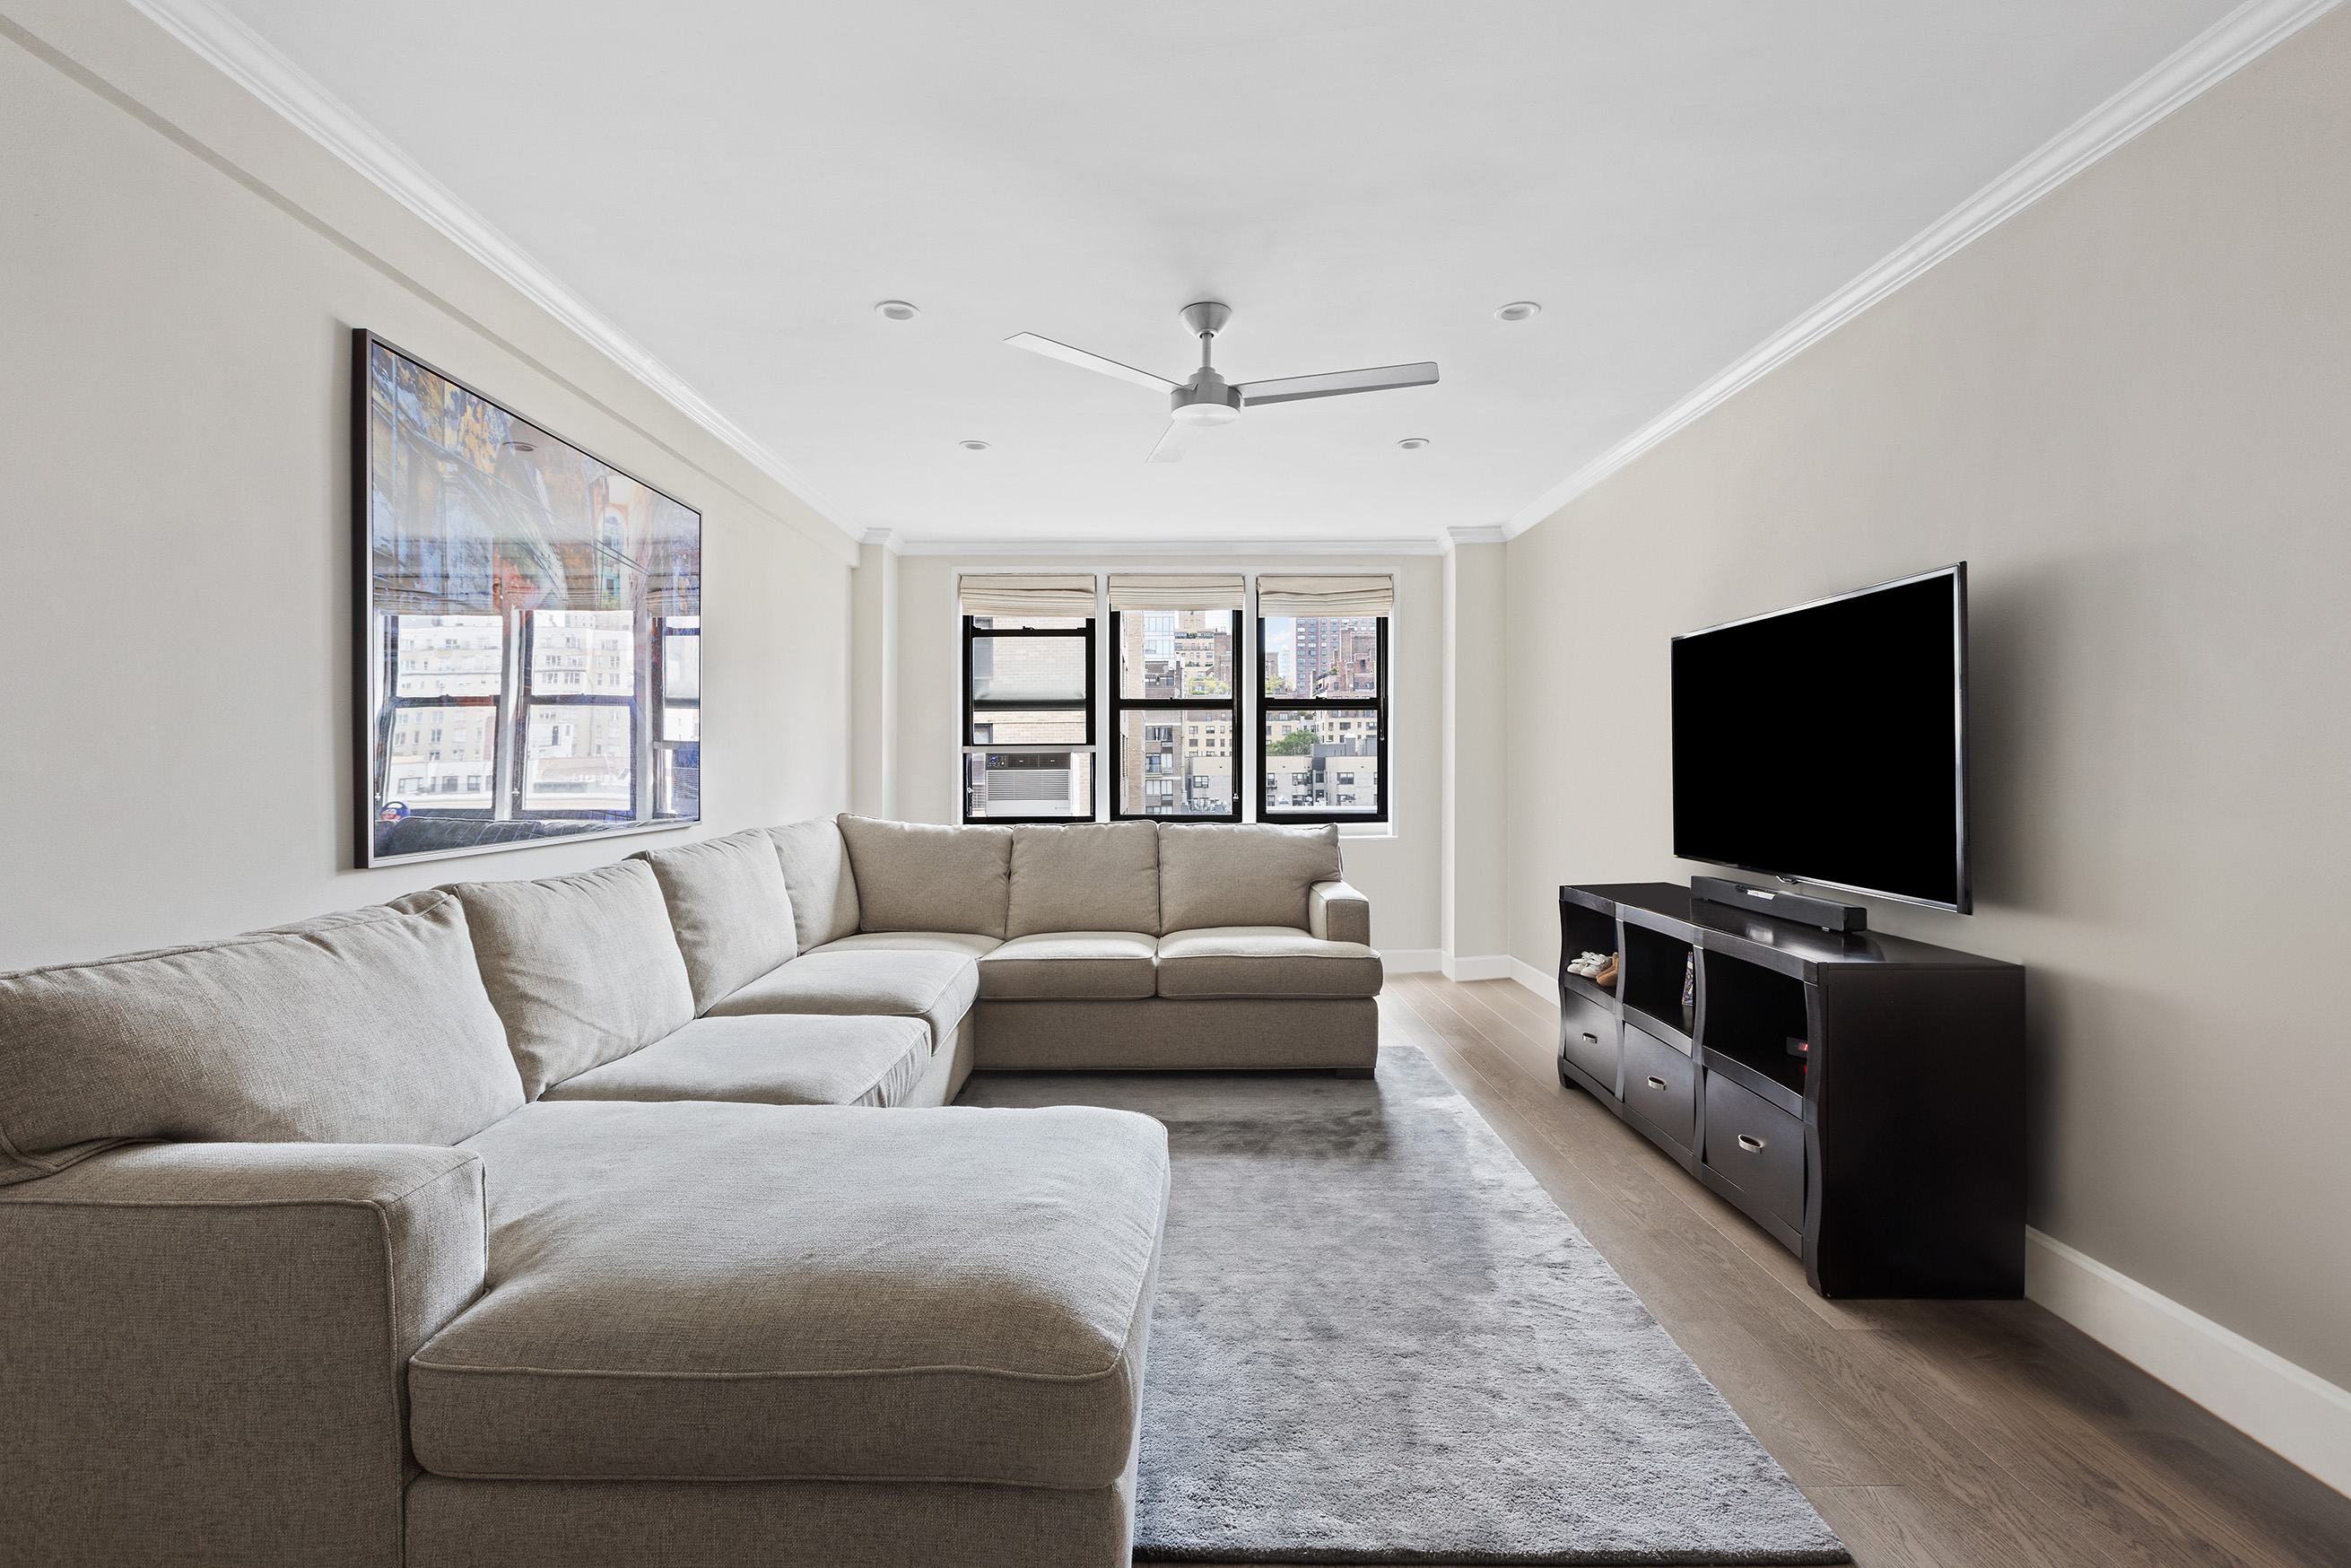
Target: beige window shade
<point>1325,595</point>
<point>1197,590</point>
<point>1027,594</point>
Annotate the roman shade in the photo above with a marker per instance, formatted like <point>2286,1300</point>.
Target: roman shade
<point>1027,594</point>
<point>1325,595</point>
<point>1189,591</point>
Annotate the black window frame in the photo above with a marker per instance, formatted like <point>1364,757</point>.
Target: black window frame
<point>1119,703</point>
<point>1378,705</point>
<point>974,707</point>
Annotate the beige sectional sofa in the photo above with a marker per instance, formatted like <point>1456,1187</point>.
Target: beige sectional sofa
<point>619,1218</point>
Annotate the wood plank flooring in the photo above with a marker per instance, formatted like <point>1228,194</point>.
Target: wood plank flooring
<point>1930,1434</point>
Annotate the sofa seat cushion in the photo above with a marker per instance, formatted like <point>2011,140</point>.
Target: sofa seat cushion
<point>935,987</point>
<point>739,1292</point>
<point>913,942</point>
<point>769,1058</point>
<point>1068,964</point>
<point>1264,961</point>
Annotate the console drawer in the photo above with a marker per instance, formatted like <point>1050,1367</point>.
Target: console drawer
<point>1759,1148</point>
<point>1660,1085</point>
<point>1587,1037</point>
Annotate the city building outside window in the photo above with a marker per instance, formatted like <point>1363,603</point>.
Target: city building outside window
<point>1028,749</point>
<point>1322,729</point>
<point>1175,697</point>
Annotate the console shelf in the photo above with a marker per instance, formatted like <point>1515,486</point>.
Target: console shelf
<point>1860,1096</point>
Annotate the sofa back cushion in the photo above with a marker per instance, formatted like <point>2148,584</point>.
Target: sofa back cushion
<point>915,876</point>
<point>1243,874</point>
<point>1088,876</point>
<point>584,969</point>
<point>823,888</point>
<point>366,1028</point>
<point>728,909</point>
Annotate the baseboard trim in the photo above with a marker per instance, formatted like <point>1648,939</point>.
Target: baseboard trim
<point>2293,1412</point>
<point>1534,979</point>
<point>1489,967</point>
<point>1412,960</point>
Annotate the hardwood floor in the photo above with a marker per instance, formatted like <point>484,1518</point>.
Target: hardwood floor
<point>1950,1434</point>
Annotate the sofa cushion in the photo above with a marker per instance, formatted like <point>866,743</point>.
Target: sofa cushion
<point>816,870</point>
<point>1264,961</point>
<point>770,1059</point>
<point>1241,874</point>
<point>1088,876</point>
<point>584,969</point>
<point>728,909</point>
<point>1071,963</point>
<point>934,987</point>
<point>914,942</point>
<point>751,1291</point>
<point>366,1028</point>
<point>915,876</point>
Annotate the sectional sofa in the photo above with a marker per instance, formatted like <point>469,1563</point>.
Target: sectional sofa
<point>620,1216</point>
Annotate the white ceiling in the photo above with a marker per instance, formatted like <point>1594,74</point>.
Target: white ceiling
<point>1364,181</point>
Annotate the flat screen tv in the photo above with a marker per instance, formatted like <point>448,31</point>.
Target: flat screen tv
<point>1828,743</point>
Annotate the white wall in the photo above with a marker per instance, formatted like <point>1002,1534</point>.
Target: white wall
<point>2129,409</point>
<point>1397,870</point>
<point>180,271</point>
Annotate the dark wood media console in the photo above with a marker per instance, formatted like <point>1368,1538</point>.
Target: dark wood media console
<point>1860,1096</point>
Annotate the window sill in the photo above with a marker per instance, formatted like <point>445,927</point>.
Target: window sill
<point>1367,829</point>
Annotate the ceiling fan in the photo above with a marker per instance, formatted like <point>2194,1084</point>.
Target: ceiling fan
<point>1207,398</point>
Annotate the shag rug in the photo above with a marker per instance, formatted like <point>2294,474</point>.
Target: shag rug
<point>1377,1340</point>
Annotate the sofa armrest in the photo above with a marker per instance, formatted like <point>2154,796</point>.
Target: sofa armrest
<point>205,1347</point>
<point>1337,912</point>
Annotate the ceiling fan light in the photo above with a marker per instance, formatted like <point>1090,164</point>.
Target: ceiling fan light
<point>1206,414</point>
<point>1517,310</point>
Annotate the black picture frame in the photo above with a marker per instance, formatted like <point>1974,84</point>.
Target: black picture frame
<point>505,805</point>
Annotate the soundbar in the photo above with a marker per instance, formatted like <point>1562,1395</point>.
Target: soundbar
<point>1781,904</point>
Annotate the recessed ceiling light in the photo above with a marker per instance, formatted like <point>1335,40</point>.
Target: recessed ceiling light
<point>973,446</point>
<point>1412,443</point>
<point>895,310</point>
<point>1517,310</point>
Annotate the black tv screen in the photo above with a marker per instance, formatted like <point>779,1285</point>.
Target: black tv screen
<point>1827,744</point>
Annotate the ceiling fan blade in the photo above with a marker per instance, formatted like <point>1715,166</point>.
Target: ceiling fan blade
<point>1085,361</point>
<point>1331,384</point>
<point>1171,445</point>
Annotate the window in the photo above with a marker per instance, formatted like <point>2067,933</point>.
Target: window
<point>1029,698</point>
<point>1322,731</point>
<point>1176,643</point>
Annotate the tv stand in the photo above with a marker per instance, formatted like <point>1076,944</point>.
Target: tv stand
<point>1858,1095</point>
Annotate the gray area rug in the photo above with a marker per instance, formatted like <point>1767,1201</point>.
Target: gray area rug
<point>1377,1340</point>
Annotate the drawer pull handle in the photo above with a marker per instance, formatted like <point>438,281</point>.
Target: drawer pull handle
<point>1749,1141</point>
<point>1592,1040</point>
<point>1656,1082</point>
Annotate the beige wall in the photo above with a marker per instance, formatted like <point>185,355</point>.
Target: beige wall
<point>1398,872</point>
<point>2129,411</point>
<point>179,274</point>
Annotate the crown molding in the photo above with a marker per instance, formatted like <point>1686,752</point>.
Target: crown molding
<point>1485,534</point>
<point>2236,41</point>
<point>886,537</point>
<point>975,548</point>
<point>251,62</point>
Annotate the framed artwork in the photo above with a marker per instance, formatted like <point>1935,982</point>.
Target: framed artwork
<point>528,628</point>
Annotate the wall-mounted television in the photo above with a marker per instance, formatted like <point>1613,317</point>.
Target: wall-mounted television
<point>1828,743</point>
